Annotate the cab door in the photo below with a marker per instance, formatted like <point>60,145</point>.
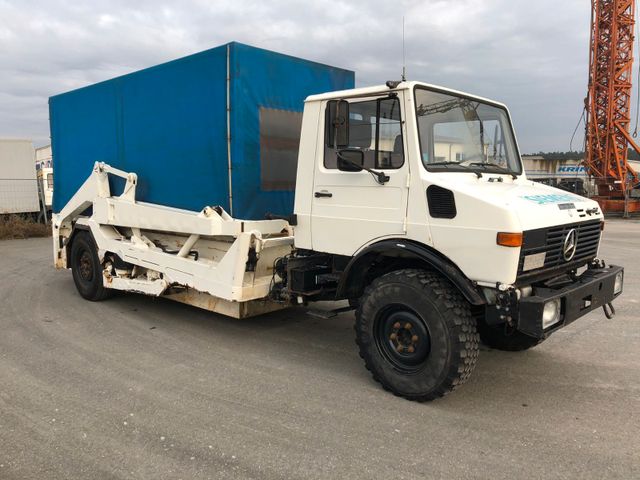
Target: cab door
<point>350,208</point>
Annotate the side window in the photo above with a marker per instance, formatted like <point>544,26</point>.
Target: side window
<point>279,142</point>
<point>375,128</point>
<point>390,153</point>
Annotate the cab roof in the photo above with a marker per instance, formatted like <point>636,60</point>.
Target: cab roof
<point>382,89</point>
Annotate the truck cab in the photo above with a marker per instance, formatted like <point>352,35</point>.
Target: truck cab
<point>411,203</point>
<point>455,181</point>
<point>45,180</point>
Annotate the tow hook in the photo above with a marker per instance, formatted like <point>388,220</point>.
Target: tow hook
<point>609,311</point>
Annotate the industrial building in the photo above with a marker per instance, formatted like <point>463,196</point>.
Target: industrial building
<point>44,157</point>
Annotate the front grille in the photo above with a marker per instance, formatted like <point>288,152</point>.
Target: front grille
<point>551,242</point>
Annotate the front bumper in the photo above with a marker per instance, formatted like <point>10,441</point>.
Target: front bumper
<point>593,289</point>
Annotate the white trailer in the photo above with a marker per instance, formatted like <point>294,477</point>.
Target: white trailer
<point>433,253</point>
<point>18,182</point>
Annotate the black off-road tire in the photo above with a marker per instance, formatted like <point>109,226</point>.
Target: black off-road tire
<point>503,337</point>
<point>435,348</point>
<point>87,269</point>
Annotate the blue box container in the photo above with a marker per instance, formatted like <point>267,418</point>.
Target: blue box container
<point>169,124</point>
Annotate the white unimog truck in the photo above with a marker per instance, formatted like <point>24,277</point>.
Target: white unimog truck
<point>411,203</point>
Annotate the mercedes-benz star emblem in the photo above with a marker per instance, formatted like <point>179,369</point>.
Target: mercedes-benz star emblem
<point>570,245</point>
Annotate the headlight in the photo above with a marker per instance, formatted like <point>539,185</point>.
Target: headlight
<point>551,313</point>
<point>617,286</point>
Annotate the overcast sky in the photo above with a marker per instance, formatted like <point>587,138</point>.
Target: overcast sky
<point>532,55</point>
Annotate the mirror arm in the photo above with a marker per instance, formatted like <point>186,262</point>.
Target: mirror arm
<point>380,177</point>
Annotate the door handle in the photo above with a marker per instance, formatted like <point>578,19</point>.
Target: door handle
<point>323,194</point>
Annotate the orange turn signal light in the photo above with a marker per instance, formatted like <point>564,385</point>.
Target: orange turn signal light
<point>507,239</point>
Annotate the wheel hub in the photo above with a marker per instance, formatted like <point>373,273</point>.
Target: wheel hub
<point>403,338</point>
<point>85,266</point>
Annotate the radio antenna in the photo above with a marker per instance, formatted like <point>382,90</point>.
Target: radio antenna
<point>404,60</point>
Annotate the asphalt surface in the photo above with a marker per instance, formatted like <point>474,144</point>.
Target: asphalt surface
<point>137,387</point>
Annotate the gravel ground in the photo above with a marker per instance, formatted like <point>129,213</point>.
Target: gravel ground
<point>137,387</point>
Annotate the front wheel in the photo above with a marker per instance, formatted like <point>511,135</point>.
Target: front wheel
<point>416,334</point>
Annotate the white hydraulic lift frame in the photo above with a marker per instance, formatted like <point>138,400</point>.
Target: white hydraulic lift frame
<point>231,273</point>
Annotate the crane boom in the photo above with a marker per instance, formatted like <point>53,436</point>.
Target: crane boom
<point>609,97</point>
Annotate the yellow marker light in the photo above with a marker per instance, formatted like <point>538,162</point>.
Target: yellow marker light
<point>507,239</point>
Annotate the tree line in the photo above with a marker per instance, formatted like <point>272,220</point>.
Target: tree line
<point>576,155</point>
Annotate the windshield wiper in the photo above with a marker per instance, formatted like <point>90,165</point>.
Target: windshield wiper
<point>485,165</point>
<point>448,163</point>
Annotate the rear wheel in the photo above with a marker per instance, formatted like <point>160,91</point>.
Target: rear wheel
<point>86,268</point>
<point>416,334</point>
<point>504,337</point>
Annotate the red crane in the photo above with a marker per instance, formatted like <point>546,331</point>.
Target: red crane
<point>608,114</point>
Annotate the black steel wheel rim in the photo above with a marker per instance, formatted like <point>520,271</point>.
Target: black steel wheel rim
<point>402,338</point>
<point>85,266</point>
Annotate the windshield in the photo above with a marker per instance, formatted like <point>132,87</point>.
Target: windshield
<point>461,134</point>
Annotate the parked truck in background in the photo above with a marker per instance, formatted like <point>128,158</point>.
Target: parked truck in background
<point>411,202</point>
<point>44,165</point>
<point>18,183</point>
<point>45,181</point>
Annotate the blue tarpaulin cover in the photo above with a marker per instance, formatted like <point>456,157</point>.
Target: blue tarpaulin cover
<point>168,123</point>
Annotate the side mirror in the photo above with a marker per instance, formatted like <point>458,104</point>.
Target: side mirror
<point>350,160</point>
<point>336,131</point>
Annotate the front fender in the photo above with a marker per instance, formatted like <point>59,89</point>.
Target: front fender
<point>409,254</point>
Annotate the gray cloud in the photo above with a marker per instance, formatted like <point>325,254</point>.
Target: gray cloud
<point>531,55</point>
